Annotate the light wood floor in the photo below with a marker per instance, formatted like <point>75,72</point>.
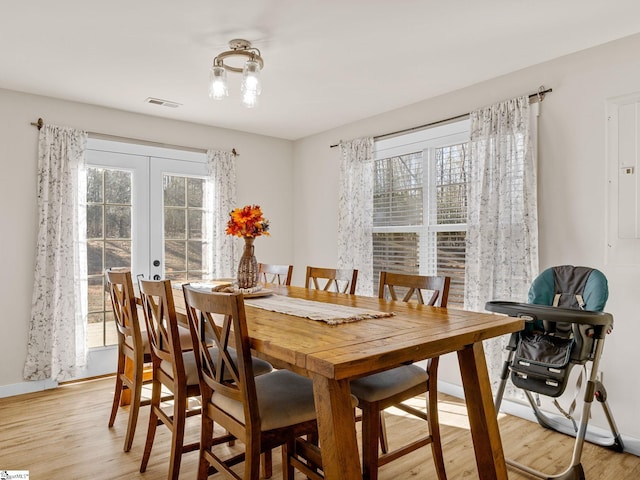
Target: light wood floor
<point>63,434</point>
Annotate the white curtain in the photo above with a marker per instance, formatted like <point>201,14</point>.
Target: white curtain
<point>221,199</point>
<point>502,235</point>
<point>355,211</point>
<point>57,332</point>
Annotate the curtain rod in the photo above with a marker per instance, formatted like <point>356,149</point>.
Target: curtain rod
<point>539,95</point>
<point>40,123</point>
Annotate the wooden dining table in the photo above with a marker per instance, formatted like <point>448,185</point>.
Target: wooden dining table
<point>332,355</point>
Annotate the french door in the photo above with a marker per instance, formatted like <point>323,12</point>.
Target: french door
<point>146,211</point>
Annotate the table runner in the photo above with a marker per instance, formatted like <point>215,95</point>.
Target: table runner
<point>326,312</point>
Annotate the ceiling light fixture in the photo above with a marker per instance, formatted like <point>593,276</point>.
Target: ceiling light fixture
<point>251,85</point>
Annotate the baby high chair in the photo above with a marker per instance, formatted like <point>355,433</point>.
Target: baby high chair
<point>565,326</point>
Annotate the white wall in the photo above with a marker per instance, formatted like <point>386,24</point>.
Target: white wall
<point>264,170</point>
<point>572,188</point>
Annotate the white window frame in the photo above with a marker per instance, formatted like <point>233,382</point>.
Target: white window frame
<point>425,141</point>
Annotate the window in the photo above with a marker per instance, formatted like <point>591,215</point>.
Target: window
<point>419,205</point>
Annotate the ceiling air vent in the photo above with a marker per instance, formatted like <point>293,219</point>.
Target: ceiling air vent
<point>163,103</point>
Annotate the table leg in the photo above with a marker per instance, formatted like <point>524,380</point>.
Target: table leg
<point>336,426</point>
<point>482,414</point>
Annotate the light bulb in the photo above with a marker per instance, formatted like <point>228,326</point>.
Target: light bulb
<point>251,77</point>
<point>249,98</point>
<point>218,83</point>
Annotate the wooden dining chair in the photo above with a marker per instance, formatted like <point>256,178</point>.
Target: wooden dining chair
<point>174,369</point>
<point>133,350</point>
<point>276,274</point>
<point>331,279</point>
<point>415,288</point>
<point>263,412</point>
<point>389,388</point>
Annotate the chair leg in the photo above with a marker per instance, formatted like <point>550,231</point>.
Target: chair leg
<point>116,400</point>
<point>206,443</point>
<point>434,431</point>
<point>118,391</point>
<point>153,424</point>
<point>384,443</point>
<point>177,437</point>
<point>267,464</point>
<point>252,459</point>
<point>370,440</point>
<point>288,449</point>
<point>134,408</point>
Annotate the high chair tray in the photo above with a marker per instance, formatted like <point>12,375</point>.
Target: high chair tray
<point>531,312</point>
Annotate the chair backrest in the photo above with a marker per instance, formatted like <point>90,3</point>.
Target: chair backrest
<point>125,309</point>
<point>434,288</point>
<point>162,324</point>
<point>569,286</point>
<point>332,279</point>
<point>229,375</point>
<point>278,274</point>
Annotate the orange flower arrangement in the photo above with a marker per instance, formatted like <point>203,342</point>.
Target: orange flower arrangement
<point>247,222</point>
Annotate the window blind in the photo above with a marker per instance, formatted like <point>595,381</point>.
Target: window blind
<point>420,209</point>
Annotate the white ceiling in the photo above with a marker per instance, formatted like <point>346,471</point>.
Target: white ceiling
<point>327,62</point>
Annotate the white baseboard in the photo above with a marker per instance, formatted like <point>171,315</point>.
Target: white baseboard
<point>100,361</point>
<point>631,444</point>
<point>26,387</point>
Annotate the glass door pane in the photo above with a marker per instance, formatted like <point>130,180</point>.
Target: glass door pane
<point>109,212</point>
<point>117,196</point>
<point>178,219</point>
<point>183,221</point>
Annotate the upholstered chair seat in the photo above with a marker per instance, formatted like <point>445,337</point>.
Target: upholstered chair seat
<point>284,398</point>
<point>389,383</point>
